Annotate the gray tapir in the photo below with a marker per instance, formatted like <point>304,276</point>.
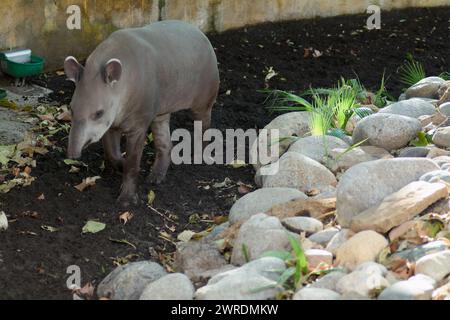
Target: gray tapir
<point>136,79</point>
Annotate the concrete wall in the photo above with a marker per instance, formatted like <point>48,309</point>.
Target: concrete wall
<point>41,24</point>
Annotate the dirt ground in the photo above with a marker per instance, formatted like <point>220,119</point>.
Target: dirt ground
<point>33,261</point>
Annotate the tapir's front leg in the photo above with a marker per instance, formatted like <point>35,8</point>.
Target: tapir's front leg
<point>111,144</point>
<point>134,149</point>
<point>163,145</point>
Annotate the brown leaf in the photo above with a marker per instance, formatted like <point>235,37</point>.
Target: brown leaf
<point>46,117</point>
<point>126,217</point>
<point>88,182</point>
<point>65,116</point>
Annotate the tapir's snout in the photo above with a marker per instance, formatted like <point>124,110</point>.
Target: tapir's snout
<point>76,143</point>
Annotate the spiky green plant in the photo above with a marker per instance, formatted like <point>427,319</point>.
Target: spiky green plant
<point>411,72</point>
<point>445,76</point>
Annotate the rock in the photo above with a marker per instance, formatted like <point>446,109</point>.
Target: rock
<point>372,268</point>
<point>354,297</point>
<point>416,288</point>
<point>362,247</point>
<point>387,131</point>
<point>129,281</point>
<point>3,221</point>
<point>304,207</point>
<point>437,152</point>
<point>436,176</point>
<point>299,172</point>
<point>245,283</point>
<point>260,201</point>
<point>400,207</point>
<point>324,237</point>
<point>316,294</point>
<point>12,129</point>
<point>317,257</point>
<point>362,283</point>
<point>441,160</point>
<point>217,231</point>
<point>338,240</point>
<point>317,147</point>
<point>443,293</point>
<point>259,235</point>
<point>303,224</point>
<point>414,152</point>
<point>441,137</point>
<point>342,159</point>
<point>426,88</point>
<point>416,253</point>
<point>413,108</point>
<point>175,286</point>
<point>367,184</point>
<point>436,265</point>
<point>329,281</point>
<point>293,124</point>
<point>445,109</point>
<point>196,258</point>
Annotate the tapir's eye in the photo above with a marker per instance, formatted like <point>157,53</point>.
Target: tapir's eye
<point>99,114</point>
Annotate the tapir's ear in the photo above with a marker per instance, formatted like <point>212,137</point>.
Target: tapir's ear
<point>73,69</point>
<point>113,71</point>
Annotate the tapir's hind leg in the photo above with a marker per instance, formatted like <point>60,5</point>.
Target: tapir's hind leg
<point>111,144</point>
<point>203,114</point>
<point>163,145</point>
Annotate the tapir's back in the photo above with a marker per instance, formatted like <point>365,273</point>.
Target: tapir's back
<point>178,54</point>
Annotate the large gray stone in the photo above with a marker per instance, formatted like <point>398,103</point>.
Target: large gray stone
<point>400,207</point>
<point>175,287</point>
<point>317,147</point>
<point>290,126</point>
<point>441,137</point>
<point>445,109</point>
<point>262,200</point>
<point>256,280</point>
<point>367,184</point>
<point>413,108</point>
<point>387,131</point>
<point>342,160</point>
<point>129,281</point>
<point>436,265</point>
<point>299,172</point>
<point>197,258</point>
<point>426,88</point>
<point>259,235</point>
<point>363,283</point>
<point>418,252</point>
<point>416,288</point>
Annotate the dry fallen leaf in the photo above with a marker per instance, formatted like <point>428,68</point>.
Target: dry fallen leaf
<point>88,182</point>
<point>41,197</point>
<point>126,217</point>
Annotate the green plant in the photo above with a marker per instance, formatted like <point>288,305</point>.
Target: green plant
<point>297,264</point>
<point>445,76</point>
<point>411,72</point>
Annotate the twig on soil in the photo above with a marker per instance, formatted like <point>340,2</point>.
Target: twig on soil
<point>161,214</point>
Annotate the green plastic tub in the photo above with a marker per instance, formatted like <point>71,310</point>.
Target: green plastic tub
<point>21,70</point>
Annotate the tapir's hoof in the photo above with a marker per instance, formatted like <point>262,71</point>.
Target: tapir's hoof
<point>126,201</point>
<point>155,178</point>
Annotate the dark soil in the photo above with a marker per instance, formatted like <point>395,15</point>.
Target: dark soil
<point>33,262</point>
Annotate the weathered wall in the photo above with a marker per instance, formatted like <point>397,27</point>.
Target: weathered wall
<point>41,24</point>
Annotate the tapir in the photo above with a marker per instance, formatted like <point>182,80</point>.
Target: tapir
<point>135,80</point>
